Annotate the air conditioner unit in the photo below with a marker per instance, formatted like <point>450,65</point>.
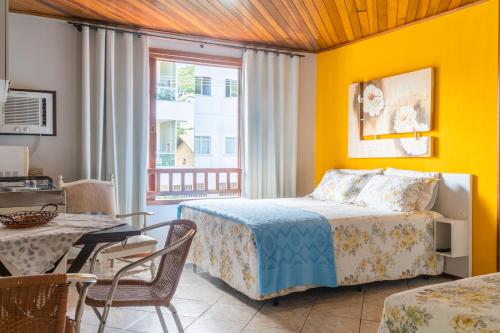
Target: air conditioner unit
<point>29,112</point>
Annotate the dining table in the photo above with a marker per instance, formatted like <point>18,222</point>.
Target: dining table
<point>40,249</point>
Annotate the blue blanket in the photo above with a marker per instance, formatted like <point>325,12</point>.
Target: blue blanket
<point>294,246</point>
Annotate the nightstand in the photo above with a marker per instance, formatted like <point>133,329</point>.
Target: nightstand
<point>451,237</point>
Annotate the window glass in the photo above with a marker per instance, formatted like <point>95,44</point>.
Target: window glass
<point>228,88</point>
<point>194,127</point>
<point>230,146</point>
<point>231,88</point>
<point>234,88</point>
<point>197,85</point>
<point>202,145</point>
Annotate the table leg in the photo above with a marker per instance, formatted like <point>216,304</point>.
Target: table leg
<point>81,258</point>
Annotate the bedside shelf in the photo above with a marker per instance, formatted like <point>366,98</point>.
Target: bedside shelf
<point>451,237</point>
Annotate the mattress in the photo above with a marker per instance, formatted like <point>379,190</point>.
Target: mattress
<point>369,245</point>
<point>470,305</point>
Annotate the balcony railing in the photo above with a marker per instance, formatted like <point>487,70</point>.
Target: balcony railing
<point>173,185</point>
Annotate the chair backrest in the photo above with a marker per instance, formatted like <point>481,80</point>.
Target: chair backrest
<point>36,303</point>
<point>89,195</point>
<point>172,263</point>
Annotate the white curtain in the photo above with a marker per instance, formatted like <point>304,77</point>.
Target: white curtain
<point>115,112</point>
<point>270,106</point>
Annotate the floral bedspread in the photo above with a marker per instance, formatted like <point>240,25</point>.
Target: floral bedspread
<point>369,245</point>
<point>465,306</point>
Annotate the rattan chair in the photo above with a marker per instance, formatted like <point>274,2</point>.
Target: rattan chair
<point>98,196</point>
<point>38,303</point>
<point>120,292</point>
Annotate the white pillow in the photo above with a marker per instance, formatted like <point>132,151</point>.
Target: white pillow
<point>339,187</point>
<point>430,190</point>
<point>391,192</point>
<point>358,171</point>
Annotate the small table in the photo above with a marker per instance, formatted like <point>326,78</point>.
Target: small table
<point>89,242</point>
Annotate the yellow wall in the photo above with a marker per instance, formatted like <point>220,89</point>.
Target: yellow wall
<point>463,48</point>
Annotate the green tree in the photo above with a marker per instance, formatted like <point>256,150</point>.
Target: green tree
<point>185,80</point>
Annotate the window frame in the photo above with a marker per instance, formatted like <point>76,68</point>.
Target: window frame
<point>201,137</point>
<point>156,54</point>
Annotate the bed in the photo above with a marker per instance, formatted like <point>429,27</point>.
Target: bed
<point>367,244</point>
<point>469,305</point>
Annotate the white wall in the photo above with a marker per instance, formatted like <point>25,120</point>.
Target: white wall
<point>307,125</point>
<point>45,55</point>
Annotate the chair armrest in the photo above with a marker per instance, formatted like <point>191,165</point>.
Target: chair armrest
<point>158,225</point>
<point>134,214</point>
<point>96,254</point>
<point>81,278</point>
<point>159,253</point>
<point>143,214</point>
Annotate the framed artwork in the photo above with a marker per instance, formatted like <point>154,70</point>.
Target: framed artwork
<point>400,104</point>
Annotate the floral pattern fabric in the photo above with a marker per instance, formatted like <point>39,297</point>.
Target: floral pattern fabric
<point>429,192</point>
<point>465,306</point>
<point>340,187</point>
<point>391,192</point>
<point>369,245</point>
<point>35,250</point>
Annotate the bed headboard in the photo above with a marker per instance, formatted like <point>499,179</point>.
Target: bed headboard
<point>454,198</point>
<point>454,201</point>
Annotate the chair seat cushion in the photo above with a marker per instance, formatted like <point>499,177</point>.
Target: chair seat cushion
<point>132,243</point>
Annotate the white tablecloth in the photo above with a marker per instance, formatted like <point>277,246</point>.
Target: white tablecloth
<point>36,250</point>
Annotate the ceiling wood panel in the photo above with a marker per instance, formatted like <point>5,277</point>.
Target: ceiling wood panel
<point>306,25</point>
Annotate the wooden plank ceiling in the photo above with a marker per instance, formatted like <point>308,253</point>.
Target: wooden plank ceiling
<point>307,25</point>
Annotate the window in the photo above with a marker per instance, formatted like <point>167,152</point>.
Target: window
<point>230,146</point>
<point>202,145</point>
<point>166,82</point>
<point>231,88</point>
<point>193,142</point>
<point>203,85</point>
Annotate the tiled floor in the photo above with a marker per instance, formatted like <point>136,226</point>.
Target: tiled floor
<point>207,305</point>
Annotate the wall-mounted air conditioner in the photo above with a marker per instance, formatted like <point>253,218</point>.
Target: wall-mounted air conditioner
<point>29,112</point>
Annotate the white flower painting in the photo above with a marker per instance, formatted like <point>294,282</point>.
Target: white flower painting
<point>392,105</point>
<point>415,146</point>
<point>373,100</point>
<point>397,104</point>
<point>405,120</point>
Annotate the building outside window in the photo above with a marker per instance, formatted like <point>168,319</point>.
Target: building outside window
<point>230,147</point>
<point>203,86</point>
<point>231,88</point>
<point>194,150</point>
<point>202,145</point>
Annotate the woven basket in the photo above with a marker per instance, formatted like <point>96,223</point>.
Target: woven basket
<point>28,219</point>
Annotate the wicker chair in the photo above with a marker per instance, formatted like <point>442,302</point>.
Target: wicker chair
<point>120,292</point>
<point>38,303</point>
<point>98,196</point>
